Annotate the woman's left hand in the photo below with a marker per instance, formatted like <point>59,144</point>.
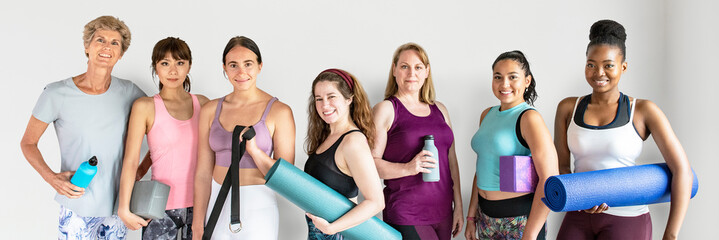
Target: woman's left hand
<point>321,224</point>
<point>457,221</point>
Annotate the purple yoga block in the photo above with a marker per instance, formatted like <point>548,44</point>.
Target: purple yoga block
<point>517,174</point>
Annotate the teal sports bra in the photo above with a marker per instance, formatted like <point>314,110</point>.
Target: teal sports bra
<point>497,136</point>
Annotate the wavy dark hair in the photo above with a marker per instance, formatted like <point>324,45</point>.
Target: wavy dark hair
<point>360,111</point>
<point>530,95</point>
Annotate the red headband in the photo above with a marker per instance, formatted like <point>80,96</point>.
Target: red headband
<point>342,74</point>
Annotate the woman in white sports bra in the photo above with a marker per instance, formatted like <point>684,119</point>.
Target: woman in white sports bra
<point>606,129</point>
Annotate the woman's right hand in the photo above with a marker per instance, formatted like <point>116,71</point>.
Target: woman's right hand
<point>470,232</point>
<point>597,209</point>
<point>61,183</point>
<point>132,221</point>
<point>421,163</point>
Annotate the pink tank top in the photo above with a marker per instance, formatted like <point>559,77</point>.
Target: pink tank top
<point>221,139</point>
<point>173,149</point>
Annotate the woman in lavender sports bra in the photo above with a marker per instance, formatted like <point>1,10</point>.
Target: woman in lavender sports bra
<point>418,209</point>
<point>274,125</point>
<point>170,121</point>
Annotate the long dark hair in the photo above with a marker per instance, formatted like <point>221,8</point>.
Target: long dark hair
<point>179,50</point>
<point>530,95</point>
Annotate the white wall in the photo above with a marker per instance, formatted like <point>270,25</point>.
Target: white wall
<point>690,98</point>
<point>670,50</point>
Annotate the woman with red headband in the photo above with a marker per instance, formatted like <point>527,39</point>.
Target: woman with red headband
<point>340,131</point>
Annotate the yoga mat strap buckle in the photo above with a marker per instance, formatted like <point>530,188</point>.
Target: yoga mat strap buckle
<point>236,229</point>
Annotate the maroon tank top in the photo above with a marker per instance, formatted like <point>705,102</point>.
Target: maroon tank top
<point>409,200</point>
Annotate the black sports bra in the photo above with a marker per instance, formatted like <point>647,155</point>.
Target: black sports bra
<point>322,166</point>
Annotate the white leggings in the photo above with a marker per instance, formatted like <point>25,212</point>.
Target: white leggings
<point>258,213</point>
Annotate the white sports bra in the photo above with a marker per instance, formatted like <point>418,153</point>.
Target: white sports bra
<point>598,149</point>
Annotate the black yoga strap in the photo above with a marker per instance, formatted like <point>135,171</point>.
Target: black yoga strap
<point>232,179</point>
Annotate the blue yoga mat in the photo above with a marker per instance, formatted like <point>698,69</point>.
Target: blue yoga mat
<point>320,200</point>
<point>626,186</point>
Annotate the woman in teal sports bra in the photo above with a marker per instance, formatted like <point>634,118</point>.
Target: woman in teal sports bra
<point>510,129</point>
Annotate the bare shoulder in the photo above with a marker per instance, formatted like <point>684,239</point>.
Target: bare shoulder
<point>567,104</point>
<point>144,103</point>
<point>384,106</point>
<point>383,114</point>
<point>280,110</point>
<point>647,108</point>
<point>645,104</point>
<point>354,141</point>
<point>532,116</point>
<point>442,108</point>
<point>355,138</point>
<point>209,107</point>
<point>440,105</point>
<point>383,110</point>
<point>566,107</point>
<point>202,99</point>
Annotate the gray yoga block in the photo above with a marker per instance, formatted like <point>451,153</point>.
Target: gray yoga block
<point>149,199</point>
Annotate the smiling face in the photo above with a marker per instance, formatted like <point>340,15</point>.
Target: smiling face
<point>331,105</point>
<point>105,48</point>
<point>410,72</point>
<point>172,72</point>
<point>242,68</point>
<point>604,68</point>
<point>509,83</point>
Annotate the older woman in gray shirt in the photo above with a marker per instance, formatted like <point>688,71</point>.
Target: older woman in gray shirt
<point>90,113</point>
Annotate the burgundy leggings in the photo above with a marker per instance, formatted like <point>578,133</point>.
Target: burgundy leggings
<point>581,225</point>
<point>437,231</point>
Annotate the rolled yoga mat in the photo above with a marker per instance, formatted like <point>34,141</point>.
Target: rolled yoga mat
<point>626,186</point>
<point>320,200</point>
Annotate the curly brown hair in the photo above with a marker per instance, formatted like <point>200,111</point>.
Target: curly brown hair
<point>360,111</point>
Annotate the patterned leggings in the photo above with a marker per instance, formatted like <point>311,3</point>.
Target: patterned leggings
<point>167,228</point>
<point>316,234</point>
<point>75,227</point>
<point>505,219</point>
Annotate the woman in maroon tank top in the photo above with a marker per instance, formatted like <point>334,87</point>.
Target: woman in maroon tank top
<point>418,209</point>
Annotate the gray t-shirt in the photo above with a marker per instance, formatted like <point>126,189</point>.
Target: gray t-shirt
<point>90,125</point>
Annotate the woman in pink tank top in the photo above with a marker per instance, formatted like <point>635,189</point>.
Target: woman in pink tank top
<point>274,125</point>
<point>170,120</point>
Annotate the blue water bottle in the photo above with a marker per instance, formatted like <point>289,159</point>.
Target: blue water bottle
<point>429,146</point>
<point>85,173</point>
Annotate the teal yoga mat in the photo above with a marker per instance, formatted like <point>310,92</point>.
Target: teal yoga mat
<point>320,200</point>
<point>626,186</point>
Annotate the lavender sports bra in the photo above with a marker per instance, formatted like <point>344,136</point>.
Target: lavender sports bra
<point>221,139</point>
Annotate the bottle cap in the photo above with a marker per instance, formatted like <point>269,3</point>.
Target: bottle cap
<point>92,161</point>
<point>429,137</point>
